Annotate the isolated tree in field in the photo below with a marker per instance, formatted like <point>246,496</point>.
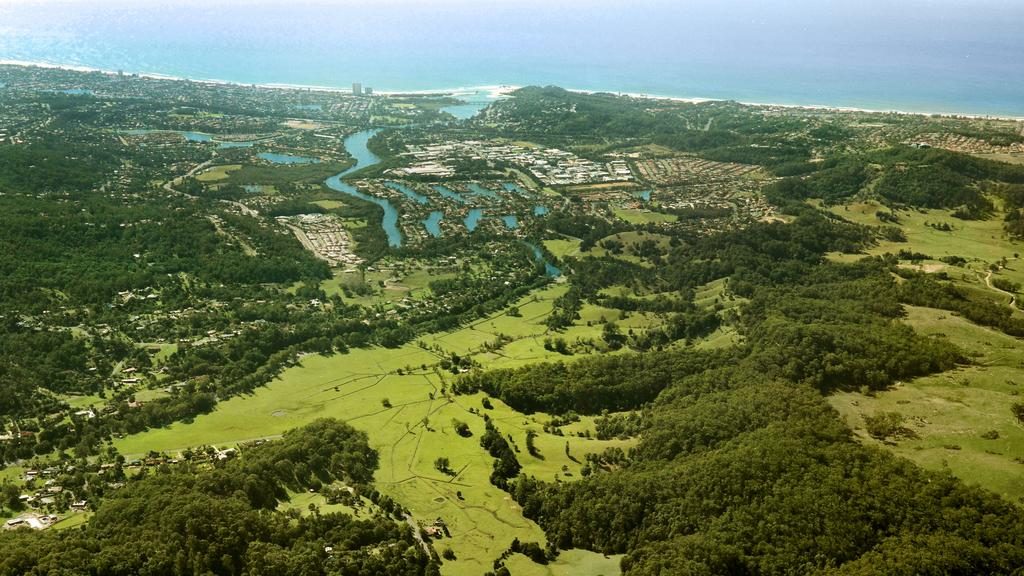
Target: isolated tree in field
<point>531,445</point>
<point>613,336</point>
<point>443,465</point>
<point>885,424</point>
<point>9,497</point>
<point>461,428</point>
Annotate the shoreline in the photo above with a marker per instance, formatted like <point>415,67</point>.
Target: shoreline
<point>496,91</point>
<point>810,107</point>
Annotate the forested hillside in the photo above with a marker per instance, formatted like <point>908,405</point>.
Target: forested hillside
<point>198,519</point>
<point>742,467</point>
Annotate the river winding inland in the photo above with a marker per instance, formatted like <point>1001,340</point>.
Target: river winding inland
<point>356,146</point>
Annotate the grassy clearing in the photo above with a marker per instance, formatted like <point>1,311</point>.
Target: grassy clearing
<point>630,242</point>
<point>409,436</point>
<point>716,293</point>
<point>81,402</point>
<point>159,351</point>
<point>634,238</point>
<point>301,501</point>
<point>417,429</point>
<point>328,204</point>
<point>638,292</point>
<point>560,457</point>
<point>980,242</point>
<point>724,337</point>
<point>569,563</point>
<point>528,331</point>
<point>11,474</point>
<point>563,247</point>
<point>217,173</point>
<point>72,521</point>
<point>631,249</point>
<point>386,287</point>
<point>949,412</point>
<point>642,216</point>
<point>602,187</point>
<point>287,174</point>
<point>150,394</point>
<point>1009,158</point>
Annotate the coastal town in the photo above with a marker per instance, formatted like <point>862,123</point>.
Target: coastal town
<point>551,166</point>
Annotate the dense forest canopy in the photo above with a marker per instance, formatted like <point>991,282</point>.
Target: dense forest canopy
<point>223,520</point>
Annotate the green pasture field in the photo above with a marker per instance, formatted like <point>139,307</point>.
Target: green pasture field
<point>217,173</point>
<point>638,216</point>
<point>417,428</point>
<point>328,204</point>
<point>414,284</point>
<point>980,242</point>
<point>948,413</point>
<point>569,563</point>
<point>81,402</point>
<point>563,247</point>
<point>72,521</point>
<point>286,174</point>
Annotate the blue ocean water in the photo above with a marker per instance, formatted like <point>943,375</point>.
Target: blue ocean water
<point>919,55</point>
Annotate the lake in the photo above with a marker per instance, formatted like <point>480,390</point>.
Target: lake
<point>472,220</point>
<point>433,223</point>
<point>479,190</point>
<point>513,187</point>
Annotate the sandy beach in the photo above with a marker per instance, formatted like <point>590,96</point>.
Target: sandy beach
<point>495,91</point>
